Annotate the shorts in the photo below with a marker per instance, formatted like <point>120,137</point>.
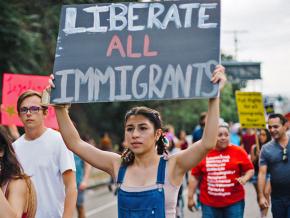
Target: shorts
<point>254,179</point>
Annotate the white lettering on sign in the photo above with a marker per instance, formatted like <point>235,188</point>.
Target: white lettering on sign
<point>159,83</point>
<point>122,16</point>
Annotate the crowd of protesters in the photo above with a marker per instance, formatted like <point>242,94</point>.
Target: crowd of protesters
<point>41,177</point>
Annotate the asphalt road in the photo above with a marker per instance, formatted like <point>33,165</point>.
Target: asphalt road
<point>100,203</point>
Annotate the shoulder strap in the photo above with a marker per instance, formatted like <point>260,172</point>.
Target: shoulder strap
<point>121,174</point>
<point>161,171</point>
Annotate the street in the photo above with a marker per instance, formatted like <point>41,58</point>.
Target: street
<point>101,203</point>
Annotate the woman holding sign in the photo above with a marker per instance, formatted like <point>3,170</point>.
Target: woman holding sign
<point>148,181</point>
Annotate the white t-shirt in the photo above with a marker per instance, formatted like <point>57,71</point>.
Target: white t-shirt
<point>45,159</point>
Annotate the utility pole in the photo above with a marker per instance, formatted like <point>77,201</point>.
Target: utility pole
<point>236,42</point>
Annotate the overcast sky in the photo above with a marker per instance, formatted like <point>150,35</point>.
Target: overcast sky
<point>265,38</point>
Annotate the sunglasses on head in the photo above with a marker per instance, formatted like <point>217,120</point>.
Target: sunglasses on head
<point>284,155</point>
<point>31,109</point>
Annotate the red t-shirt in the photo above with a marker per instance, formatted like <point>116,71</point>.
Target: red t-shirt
<point>218,173</point>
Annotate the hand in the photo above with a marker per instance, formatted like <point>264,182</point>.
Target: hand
<point>242,180</point>
<point>219,76</point>
<point>83,185</point>
<point>48,89</point>
<point>263,203</point>
<point>45,98</point>
<point>191,204</point>
<point>50,81</point>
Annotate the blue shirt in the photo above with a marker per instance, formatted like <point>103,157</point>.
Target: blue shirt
<point>79,169</point>
<point>271,156</point>
<point>235,139</point>
<point>197,134</point>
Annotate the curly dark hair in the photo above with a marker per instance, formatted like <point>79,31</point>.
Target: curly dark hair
<point>154,117</point>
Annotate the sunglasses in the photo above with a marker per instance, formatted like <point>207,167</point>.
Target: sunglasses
<point>32,109</point>
<point>284,155</point>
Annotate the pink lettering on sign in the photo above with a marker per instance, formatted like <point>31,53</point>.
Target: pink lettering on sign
<point>116,44</point>
<point>146,51</point>
<point>130,53</point>
<point>13,86</point>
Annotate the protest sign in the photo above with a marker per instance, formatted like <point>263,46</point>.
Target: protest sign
<point>251,109</point>
<point>239,71</point>
<point>13,86</point>
<point>137,51</point>
<point>269,108</point>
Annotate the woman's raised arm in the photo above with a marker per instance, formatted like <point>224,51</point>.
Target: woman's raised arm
<point>103,160</point>
<point>189,158</point>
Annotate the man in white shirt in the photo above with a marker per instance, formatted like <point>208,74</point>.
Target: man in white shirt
<point>44,156</point>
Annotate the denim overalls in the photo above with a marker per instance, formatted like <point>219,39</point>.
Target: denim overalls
<point>144,204</point>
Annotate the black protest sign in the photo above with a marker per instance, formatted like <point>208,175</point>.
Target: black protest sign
<point>137,51</point>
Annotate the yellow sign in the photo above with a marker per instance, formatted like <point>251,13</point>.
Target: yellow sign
<point>251,109</point>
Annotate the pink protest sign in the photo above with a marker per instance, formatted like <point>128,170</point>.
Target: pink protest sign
<point>13,86</point>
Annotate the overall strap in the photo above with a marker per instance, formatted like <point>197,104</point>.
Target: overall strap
<point>161,171</point>
<point>121,174</point>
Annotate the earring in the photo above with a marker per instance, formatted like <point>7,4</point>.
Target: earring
<point>165,140</point>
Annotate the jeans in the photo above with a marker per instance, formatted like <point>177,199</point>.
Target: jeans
<point>281,207</point>
<point>80,198</point>
<point>235,210</point>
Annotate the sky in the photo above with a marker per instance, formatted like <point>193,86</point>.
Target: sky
<point>264,27</point>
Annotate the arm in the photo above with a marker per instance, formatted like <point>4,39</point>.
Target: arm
<point>192,185</point>
<point>261,186</point>
<point>13,131</point>
<point>246,177</point>
<point>70,193</point>
<point>106,161</point>
<point>189,158</point>
<point>87,171</point>
<point>14,205</point>
<point>257,142</point>
<point>245,165</point>
<point>254,156</point>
